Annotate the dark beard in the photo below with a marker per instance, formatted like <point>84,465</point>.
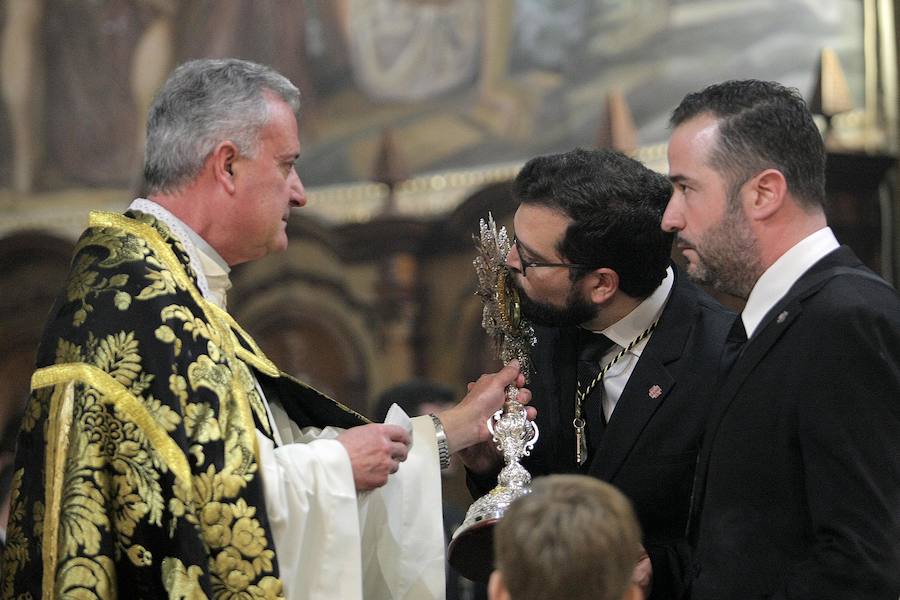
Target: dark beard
<point>575,312</point>
<point>730,255</point>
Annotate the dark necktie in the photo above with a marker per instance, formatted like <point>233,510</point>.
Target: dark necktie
<point>591,348</point>
<point>734,345</point>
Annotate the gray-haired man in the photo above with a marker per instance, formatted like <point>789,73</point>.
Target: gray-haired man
<point>161,449</point>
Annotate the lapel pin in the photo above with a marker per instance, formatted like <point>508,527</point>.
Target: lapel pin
<point>782,316</point>
<point>655,392</point>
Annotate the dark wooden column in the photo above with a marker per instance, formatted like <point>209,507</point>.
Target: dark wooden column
<point>854,185</point>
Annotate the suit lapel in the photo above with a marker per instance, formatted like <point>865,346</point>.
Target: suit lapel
<point>775,324</point>
<point>649,385</point>
<point>647,388</point>
<point>554,393</point>
<point>568,381</point>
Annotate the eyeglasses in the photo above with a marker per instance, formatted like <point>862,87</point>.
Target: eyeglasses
<point>521,249</point>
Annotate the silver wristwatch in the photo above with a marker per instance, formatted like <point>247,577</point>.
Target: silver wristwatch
<point>443,446</point>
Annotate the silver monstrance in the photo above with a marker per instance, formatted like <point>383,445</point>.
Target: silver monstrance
<point>471,549</point>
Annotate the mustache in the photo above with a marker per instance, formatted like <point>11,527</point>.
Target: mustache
<point>681,242</point>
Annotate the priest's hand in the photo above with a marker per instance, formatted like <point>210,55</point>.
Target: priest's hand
<point>375,451</point>
<point>466,423</point>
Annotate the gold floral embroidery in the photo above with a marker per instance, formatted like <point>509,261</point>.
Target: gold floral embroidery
<point>126,427</point>
<point>128,508</point>
<point>205,373</point>
<point>67,352</point>
<point>200,423</point>
<point>178,387</point>
<point>165,416</point>
<point>166,335</point>
<point>182,582</point>
<point>118,355</point>
<point>249,537</point>
<point>85,282</point>
<point>233,577</point>
<point>38,519</point>
<point>122,300</point>
<point>33,412</point>
<point>16,542</point>
<point>215,520</point>
<point>140,556</point>
<point>121,247</point>
<point>195,326</point>
<point>233,528</point>
<point>82,281</point>
<point>253,397</point>
<point>214,352</point>
<point>162,283</point>
<point>83,577</point>
<point>196,450</point>
<point>82,513</point>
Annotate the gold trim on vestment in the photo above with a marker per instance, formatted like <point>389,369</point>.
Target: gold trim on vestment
<point>215,316</point>
<point>255,355</point>
<point>154,239</point>
<point>113,392</point>
<point>345,408</point>
<point>59,422</point>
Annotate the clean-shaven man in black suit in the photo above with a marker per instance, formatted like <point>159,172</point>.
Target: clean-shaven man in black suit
<point>798,485</point>
<point>590,257</point>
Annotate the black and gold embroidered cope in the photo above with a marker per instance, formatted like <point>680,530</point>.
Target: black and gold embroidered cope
<point>137,466</point>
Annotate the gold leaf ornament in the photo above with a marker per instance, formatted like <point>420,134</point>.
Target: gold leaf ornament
<point>122,300</point>
<point>162,283</point>
<point>182,583</point>
<point>205,373</point>
<point>87,577</point>
<point>117,354</point>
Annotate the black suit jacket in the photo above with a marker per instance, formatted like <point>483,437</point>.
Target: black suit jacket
<point>799,477</point>
<point>650,445</point>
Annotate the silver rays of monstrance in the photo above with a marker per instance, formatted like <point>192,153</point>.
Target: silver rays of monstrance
<point>471,547</point>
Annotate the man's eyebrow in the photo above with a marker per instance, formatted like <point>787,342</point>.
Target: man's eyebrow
<point>532,254</point>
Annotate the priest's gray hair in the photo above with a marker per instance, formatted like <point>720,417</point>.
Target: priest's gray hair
<point>203,103</point>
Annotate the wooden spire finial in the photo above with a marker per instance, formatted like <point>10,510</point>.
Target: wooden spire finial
<point>617,129</point>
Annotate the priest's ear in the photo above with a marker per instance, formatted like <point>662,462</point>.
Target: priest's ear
<point>497,587</point>
<point>222,161</point>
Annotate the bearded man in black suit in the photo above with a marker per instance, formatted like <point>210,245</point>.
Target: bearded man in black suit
<point>627,350</point>
<point>798,486</point>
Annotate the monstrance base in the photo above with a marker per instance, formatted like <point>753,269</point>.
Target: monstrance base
<point>471,552</point>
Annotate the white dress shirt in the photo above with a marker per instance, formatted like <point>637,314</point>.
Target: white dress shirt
<point>622,333</point>
<point>784,273</point>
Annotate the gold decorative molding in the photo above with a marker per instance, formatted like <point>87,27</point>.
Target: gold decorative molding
<point>425,197</point>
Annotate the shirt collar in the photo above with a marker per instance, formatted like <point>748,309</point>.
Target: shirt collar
<point>629,327</point>
<point>784,272</point>
<point>211,269</point>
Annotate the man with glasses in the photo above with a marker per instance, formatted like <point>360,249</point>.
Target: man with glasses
<point>628,350</point>
<point>798,486</point>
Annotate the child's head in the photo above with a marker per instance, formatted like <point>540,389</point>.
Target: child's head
<point>572,537</point>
